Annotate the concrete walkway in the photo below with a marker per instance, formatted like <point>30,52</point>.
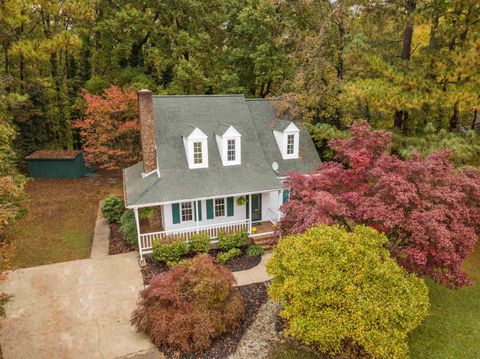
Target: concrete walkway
<point>100,236</point>
<point>256,274</point>
<point>77,309</point>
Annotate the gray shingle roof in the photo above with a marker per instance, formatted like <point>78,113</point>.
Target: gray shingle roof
<point>265,120</point>
<point>176,116</point>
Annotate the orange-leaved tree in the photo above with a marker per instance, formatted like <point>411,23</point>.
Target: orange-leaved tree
<point>110,128</point>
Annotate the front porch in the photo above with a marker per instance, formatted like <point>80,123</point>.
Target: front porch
<point>256,214</point>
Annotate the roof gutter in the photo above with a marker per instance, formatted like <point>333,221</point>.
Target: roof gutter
<point>197,199</point>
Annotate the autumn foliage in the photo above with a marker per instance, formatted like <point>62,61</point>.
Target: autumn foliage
<point>188,306</point>
<point>428,209</point>
<point>341,291</point>
<point>110,128</point>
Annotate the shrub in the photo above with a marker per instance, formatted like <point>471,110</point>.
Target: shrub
<point>188,306</point>
<point>224,257</point>
<point>255,251</point>
<point>128,227</point>
<point>200,242</point>
<point>112,209</point>
<point>340,287</point>
<point>169,250</point>
<point>146,213</point>
<point>227,241</point>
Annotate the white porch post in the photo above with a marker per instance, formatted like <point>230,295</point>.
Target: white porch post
<point>197,210</point>
<point>250,212</point>
<point>137,221</point>
<point>280,200</point>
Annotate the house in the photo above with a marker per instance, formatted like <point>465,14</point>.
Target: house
<point>212,163</point>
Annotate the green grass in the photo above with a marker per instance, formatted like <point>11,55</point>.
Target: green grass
<point>452,329</point>
<point>60,220</point>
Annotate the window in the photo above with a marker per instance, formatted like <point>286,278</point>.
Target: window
<point>197,152</point>
<point>231,153</point>
<point>290,144</point>
<point>220,207</point>
<point>187,213</point>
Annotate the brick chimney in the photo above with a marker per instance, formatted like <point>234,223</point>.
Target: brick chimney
<point>147,130</point>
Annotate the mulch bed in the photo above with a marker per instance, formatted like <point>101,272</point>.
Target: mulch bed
<point>236,264</point>
<point>117,244</point>
<point>239,263</point>
<point>254,295</point>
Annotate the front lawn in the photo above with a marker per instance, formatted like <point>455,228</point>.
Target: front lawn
<point>60,219</point>
<point>452,329</point>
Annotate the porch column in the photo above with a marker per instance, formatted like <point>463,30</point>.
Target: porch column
<point>137,221</point>
<point>250,211</point>
<point>197,213</point>
<point>280,199</point>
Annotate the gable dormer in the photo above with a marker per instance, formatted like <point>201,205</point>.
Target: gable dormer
<point>287,136</point>
<point>229,145</point>
<point>196,149</point>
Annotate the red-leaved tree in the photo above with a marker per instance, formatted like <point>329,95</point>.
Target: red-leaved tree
<point>110,128</point>
<point>428,209</point>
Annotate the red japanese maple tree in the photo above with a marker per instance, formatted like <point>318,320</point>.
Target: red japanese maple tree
<point>110,128</point>
<point>428,208</point>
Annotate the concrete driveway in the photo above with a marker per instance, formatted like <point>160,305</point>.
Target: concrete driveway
<point>78,309</point>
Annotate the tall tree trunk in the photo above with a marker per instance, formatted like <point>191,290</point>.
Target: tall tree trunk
<point>411,5</point>
<point>455,117</point>
<point>474,120</point>
<point>341,47</point>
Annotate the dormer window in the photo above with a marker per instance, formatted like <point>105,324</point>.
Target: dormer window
<point>229,145</point>
<point>290,144</point>
<point>197,153</point>
<point>231,151</point>
<point>287,136</point>
<point>196,149</point>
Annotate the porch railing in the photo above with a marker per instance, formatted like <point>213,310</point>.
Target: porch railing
<point>146,239</point>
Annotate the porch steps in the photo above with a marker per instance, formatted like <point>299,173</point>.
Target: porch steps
<point>264,241</point>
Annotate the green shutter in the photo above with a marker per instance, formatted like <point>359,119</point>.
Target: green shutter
<point>209,208</point>
<point>286,193</point>
<point>199,204</point>
<point>230,206</point>
<point>176,213</point>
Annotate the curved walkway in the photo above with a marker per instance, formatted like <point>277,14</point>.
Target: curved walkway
<point>257,274</point>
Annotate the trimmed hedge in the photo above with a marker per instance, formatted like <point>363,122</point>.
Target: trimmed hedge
<point>227,241</point>
<point>112,209</point>
<point>224,257</point>
<point>170,250</point>
<point>199,243</point>
<point>128,227</point>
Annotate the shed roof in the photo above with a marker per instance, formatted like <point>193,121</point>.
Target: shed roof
<point>53,155</point>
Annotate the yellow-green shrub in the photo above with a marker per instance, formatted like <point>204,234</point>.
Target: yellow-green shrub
<point>340,287</point>
<point>199,242</point>
<point>227,241</point>
<point>169,250</point>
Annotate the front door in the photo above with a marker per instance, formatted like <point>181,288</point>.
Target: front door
<point>256,207</point>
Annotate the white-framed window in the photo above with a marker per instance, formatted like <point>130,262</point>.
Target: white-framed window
<point>197,153</point>
<point>187,211</point>
<point>231,151</point>
<point>219,207</point>
<point>290,144</point>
